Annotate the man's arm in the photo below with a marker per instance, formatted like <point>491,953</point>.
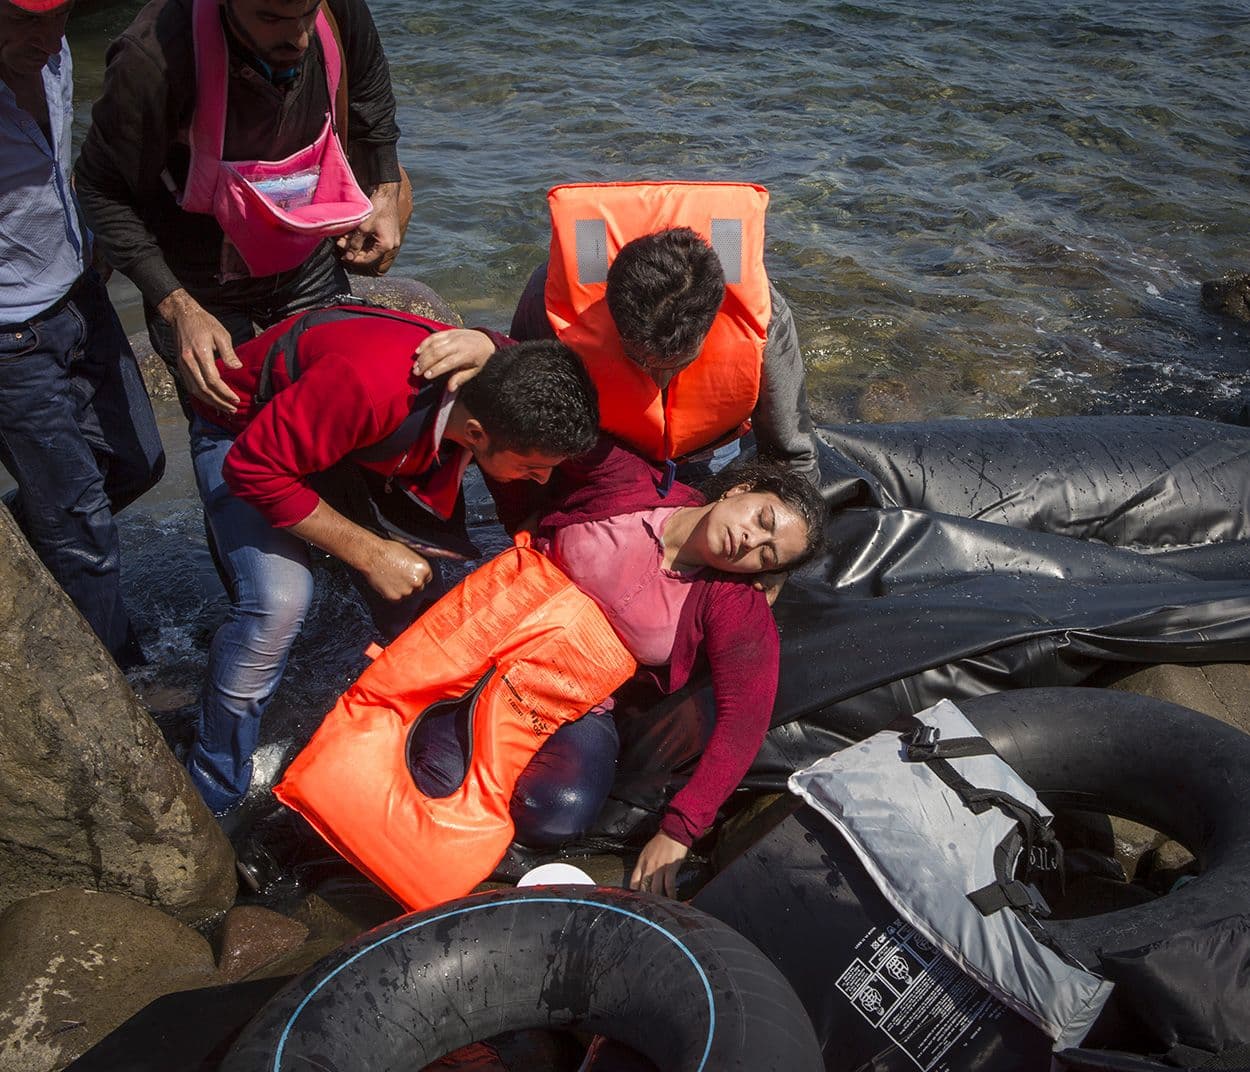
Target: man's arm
<point>121,163</point>
<point>122,157</point>
<point>782,423</point>
<point>307,429</point>
<point>392,569</point>
<point>373,138</point>
<point>530,319</point>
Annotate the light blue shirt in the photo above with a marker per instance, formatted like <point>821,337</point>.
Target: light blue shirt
<point>41,239</point>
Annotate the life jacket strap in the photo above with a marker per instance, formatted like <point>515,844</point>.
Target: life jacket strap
<point>1031,843</point>
<point>1022,896</point>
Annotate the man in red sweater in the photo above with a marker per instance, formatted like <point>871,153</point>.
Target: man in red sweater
<point>338,444</point>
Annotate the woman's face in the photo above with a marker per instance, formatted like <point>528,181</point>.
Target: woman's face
<point>751,532</point>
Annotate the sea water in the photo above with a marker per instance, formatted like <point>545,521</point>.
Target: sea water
<point>994,209</point>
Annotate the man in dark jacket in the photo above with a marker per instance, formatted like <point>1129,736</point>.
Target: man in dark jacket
<point>199,301</point>
<point>336,444</point>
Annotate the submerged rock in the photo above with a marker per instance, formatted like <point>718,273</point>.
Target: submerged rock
<point>90,796</point>
<point>1229,296</point>
<point>77,964</point>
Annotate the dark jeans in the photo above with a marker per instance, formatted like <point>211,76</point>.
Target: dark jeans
<point>78,435</point>
<point>559,794</point>
<point>244,305</point>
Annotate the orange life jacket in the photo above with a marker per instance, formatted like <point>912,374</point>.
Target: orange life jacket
<point>524,651</point>
<point>709,401</point>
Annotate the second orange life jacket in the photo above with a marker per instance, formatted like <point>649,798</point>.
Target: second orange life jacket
<point>711,400</point>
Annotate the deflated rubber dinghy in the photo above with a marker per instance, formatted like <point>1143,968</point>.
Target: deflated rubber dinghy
<point>677,986</point>
<point>882,995</point>
<point>971,557</point>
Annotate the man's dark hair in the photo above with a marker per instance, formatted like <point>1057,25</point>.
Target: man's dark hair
<point>535,397</point>
<point>790,487</point>
<point>664,290</point>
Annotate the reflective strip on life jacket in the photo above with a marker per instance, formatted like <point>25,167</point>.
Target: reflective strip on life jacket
<point>942,829</point>
<point>524,651</point>
<point>710,400</point>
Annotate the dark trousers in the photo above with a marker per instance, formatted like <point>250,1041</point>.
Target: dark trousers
<point>243,305</point>
<point>78,436</point>
<point>562,789</point>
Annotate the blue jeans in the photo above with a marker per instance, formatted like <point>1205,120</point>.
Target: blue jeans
<point>559,794</point>
<point>78,436</point>
<point>269,578</point>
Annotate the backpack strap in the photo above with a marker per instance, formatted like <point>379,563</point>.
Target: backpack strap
<point>285,346</point>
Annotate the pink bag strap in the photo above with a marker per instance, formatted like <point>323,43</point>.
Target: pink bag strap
<point>212,71</point>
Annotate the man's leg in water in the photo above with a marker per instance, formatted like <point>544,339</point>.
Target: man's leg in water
<point>271,586</point>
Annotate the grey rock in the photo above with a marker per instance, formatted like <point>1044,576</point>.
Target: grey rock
<point>156,375</point>
<point>90,796</point>
<point>1221,690</point>
<point>76,964</point>
<point>408,295</point>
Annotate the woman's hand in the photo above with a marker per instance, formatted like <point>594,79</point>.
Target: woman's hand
<point>459,351</point>
<point>657,866</point>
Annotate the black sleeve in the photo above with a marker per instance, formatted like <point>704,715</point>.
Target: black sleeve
<point>372,131</point>
<point>530,319</point>
<point>132,126</point>
<point>782,423</point>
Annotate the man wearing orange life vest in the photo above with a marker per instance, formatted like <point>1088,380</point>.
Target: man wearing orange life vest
<point>660,288</point>
<point>276,72</point>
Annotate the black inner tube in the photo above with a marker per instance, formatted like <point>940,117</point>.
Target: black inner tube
<point>1154,762</point>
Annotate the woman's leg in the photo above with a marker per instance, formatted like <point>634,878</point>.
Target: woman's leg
<point>560,794</point>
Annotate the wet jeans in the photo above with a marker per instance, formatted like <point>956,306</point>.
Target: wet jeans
<point>269,578</point>
<point>78,436</point>
<point>562,789</point>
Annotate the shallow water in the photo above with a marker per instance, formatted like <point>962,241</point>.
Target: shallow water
<point>1001,209</point>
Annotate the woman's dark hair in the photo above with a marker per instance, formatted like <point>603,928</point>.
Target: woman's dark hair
<point>791,488</point>
<point>535,397</point>
<point>664,290</point>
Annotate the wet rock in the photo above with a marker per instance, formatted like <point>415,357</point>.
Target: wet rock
<point>251,937</point>
<point>396,292</point>
<point>296,960</point>
<point>156,375</point>
<point>90,796</point>
<point>77,964</point>
<point>1229,296</point>
<point>323,920</point>
<point>1221,690</point>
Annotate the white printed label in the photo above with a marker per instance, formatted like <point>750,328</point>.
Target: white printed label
<point>908,990</point>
